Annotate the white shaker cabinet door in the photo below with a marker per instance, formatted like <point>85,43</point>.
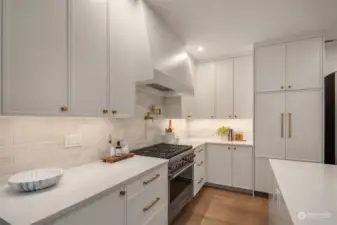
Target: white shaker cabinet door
<point>35,57</point>
<point>243,87</point>
<point>129,54</point>
<point>224,88</point>
<point>242,161</point>
<point>263,175</point>
<point>107,210</point>
<point>304,64</point>
<point>187,106</point>
<point>304,125</point>
<point>270,68</point>
<point>204,91</point>
<point>89,58</point>
<point>219,164</point>
<point>270,125</point>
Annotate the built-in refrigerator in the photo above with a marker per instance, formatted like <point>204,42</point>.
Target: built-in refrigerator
<point>330,119</point>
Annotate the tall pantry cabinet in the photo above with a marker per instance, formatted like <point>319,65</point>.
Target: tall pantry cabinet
<point>288,105</point>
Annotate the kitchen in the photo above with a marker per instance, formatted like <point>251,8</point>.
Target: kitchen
<point>78,76</point>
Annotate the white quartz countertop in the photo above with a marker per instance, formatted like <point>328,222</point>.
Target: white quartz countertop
<point>195,142</point>
<point>77,185</point>
<point>309,191</point>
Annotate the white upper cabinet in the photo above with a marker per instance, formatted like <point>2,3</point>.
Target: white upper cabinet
<point>304,125</point>
<point>270,125</point>
<point>89,58</point>
<point>129,55</point>
<point>243,87</point>
<point>270,67</point>
<point>204,91</point>
<point>223,88</point>
<point>304,64</point>
<point>35,57</point>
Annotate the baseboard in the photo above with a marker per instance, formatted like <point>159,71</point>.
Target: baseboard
<point>228,188</point>
<point>261,194</point>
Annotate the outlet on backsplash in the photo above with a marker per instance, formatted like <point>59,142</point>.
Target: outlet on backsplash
<point>73,140</point>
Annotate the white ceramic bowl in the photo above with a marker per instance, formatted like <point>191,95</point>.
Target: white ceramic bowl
<point>34,180</point>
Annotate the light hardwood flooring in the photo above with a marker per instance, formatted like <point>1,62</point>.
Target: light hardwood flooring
<point>219,207</point>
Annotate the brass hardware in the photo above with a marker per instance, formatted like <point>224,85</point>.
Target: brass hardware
<point>147,208</point>
<point>189,116</point>
<point>105,111</point>
<point>234,148</point>
<point>282,125</point>
<point>212,117</point>
<point>64,108</point>
<point>235,116</point>
<point>289,86</point>
<point>114,112</point>
<point>289,124</point>
<point>152,179</point>
<point>122,193</point>
<point>229,148</point>
<point>202,162</point>
<point>201,180</point>
<point>230,116</point>
<point>201,150</point>
<point>282,87</point>
<point>148,117</point>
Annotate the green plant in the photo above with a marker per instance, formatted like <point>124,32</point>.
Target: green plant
<point>222,131</point>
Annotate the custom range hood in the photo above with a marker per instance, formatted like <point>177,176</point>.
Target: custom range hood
<point>169,68</point>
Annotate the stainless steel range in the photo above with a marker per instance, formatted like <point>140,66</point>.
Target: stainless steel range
<point>180,170</point>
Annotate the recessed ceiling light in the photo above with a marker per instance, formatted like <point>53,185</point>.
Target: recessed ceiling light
<point>200,49</point>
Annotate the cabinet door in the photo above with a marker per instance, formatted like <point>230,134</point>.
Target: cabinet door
<point>224,89</point>
<point>89,58</point>
<point>107,210</point>
<point>304,64</point>
<point>270,68</point>
<point>35,57</point>
<point>242,162</point>
<point>243,87</point>
<point>219,165</point>
<point>270,125</point>
<point>304,125</point>
<point>129,54</point>
<point>263,175</point>
<point>187,106</point>
<point>204,91</point>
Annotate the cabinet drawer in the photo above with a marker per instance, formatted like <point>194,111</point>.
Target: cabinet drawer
<point>160,217</point>
<point>199,154</point>
<point>142,207</point>
<point>199,180</point>
<point>158,177</point>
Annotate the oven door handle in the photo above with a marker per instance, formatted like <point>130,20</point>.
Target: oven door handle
<point>172,176</point>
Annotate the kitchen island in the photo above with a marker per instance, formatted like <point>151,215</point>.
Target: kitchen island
<point>303,193</point>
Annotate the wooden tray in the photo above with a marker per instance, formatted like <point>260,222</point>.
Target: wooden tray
<point>113,159</point>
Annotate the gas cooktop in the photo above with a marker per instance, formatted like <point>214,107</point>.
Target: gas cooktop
<point>162,150</point>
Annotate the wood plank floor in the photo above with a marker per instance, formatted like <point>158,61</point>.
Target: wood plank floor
<point>218,207</point>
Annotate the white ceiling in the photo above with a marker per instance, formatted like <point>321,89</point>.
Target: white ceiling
<point>231,27</point>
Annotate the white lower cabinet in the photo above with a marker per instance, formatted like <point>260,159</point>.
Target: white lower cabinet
<point>107,210</point>
<point>263,175</point>
<point>230,166</point>
<point>199,176</point>
<point>143,201</point>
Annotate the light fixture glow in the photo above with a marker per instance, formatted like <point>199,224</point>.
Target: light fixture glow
<point>200,49</point>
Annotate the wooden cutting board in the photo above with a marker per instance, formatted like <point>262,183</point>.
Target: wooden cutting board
<point>113,159</point>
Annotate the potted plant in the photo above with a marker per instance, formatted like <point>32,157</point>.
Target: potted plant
<point>222,132</point>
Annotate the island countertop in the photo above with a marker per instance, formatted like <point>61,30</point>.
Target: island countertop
<point>309,191</point>
<point>78,185</point>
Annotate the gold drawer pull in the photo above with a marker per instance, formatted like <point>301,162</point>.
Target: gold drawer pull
<point>64,108</point>
<point>147,208</point>
<point>152,179</point>
<point>202,162</point>
<point>201,180</point>
<point>105,111</point>
<point>201,150</point>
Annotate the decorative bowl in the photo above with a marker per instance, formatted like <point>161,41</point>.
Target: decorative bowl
<point>35,180</point>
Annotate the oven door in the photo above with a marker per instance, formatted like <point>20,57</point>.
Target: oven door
<point>180,190</point>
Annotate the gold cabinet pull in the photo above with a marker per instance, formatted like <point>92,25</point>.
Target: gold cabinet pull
<point>289,124</point>
<point>152,179</point>
<point>147,208</point>
<point>201,150</point>
<point>105,111</point>
<point>114,112</point>
<point>64,108</point>
<point>282,125</point>
<point>202,162</point>
<point>201,180</point>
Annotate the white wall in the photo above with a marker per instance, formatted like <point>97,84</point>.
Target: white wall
<point>330,58</point>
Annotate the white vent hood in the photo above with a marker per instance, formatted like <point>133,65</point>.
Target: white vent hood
<point>169,72</point>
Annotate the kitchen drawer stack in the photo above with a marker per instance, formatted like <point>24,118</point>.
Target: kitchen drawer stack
<point>199,168</point>
<point>147,199</point>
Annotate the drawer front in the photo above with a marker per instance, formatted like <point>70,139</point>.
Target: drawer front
<point>199,180</point>
<point>159,218</point>
<point>149,180</point>
<point>199,154</point>
<point>142,206</point>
